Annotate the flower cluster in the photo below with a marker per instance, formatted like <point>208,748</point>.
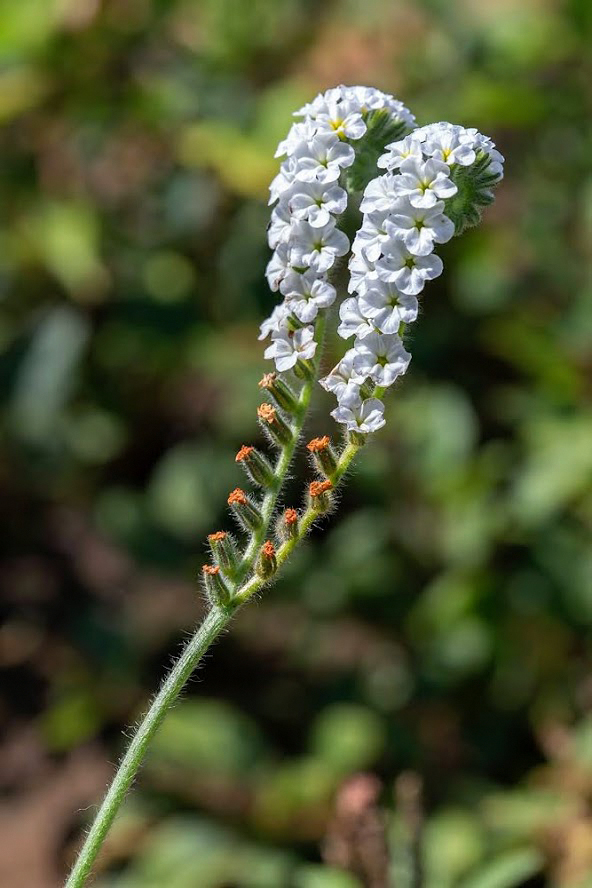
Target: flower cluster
<point>309,197</point>
<point>437,179</point>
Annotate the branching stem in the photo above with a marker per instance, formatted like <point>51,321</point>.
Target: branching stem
<point>214,623</point>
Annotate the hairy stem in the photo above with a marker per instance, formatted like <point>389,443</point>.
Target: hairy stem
<point>212,626</point>
<point>214,623</point>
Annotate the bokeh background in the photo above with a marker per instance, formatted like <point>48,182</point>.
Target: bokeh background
<point>438,633</point>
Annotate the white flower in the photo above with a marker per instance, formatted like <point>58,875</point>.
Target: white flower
<point>386,307</point>
<point>316,201</point>
<point>342,118</point>
<point>425,181</point>
<point>353,322</point>
<point>282,182</point>
<point>362,273</point>
<point>275,322</point>
<point>309,293</point>
<point>343,380</point>
<point>361,416</point>
<point>450,144</point>
<point>322,159</point>
<point>287,347</point>
<point>278,229</point>
<point>419,227</point>
<point>382,358</point>
<point>299,132</point>
<point>496,164</point>
<point>380,194</point>
<point>408,272</point>
<point>277,266</point>
<point>317,248</point>
<point>320,102</point>
<point>371,235</point>
<point>368,98</point>
<point>399,151</point>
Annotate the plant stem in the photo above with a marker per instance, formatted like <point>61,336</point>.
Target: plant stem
<point>214,623</point>
<point>270,499</point>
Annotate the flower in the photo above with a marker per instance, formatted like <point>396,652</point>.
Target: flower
<point>420,227</point>
<point>371,235</point>
<point>425,181</point>
<point>287,347</point>
<point>387,307</point>
<point>380,357</point>
<point>353,322</point>
<point>450,144</point>
<point>399,151</point>
<point>317,248</point>
<point>362,272</point>
<point>315,202</point>
<point>408,272</point>
<point>309,293</point>
<point>275,322</point>
<point>380,194</point>
<point>278,229</point>
<point>361,416</point>
<point>303,131</point>
<point>277,266</point>
<point>342,117</point>
<point>343,380</point>
<point>322,159</point>
<point>283,180</point>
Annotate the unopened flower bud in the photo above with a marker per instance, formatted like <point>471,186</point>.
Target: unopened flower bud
<point>320,496</point>
<point>287,525</point>
<point>273,423</point>
<point>303,369</point>
<point>216,589</point>
<point>267,561</point>
<point>224,552</point>
<point>245,511</point>
<point>323,455</point>
<point>255,465</point>
<point>280,391</point>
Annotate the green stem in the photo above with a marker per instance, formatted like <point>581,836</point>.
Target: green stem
<point>271,497</point>
<point>212,626</point>
<point>306,521</point>
<point>214,623</point>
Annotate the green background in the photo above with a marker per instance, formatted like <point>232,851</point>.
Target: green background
<point>441,623</point>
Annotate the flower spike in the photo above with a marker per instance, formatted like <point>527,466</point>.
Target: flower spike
<point>416,187</point>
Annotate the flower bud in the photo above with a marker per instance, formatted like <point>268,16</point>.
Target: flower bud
<point>267,562</point>
<point>323,455</point>
<point>244,510</point>
<point>274,425</point>
<point>255,465</point>
<point>287,525</point>
<point>280,391</point>
<point>320,496</point>
<point>303,369</point>
<point>224,552</point>
<point>216,589</point>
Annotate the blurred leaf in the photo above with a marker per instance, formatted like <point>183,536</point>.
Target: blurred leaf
<point>348,737</point>
<point>509,871</point>
<point>557,467</point>
<point>207,736</point>
<point>242,165</point>
<point>47,374</point>
<point>323,877</point>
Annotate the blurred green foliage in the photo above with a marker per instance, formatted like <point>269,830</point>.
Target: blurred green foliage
<point>444,623</point>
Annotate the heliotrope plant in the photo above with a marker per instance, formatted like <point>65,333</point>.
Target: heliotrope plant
<point>355,166</point>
